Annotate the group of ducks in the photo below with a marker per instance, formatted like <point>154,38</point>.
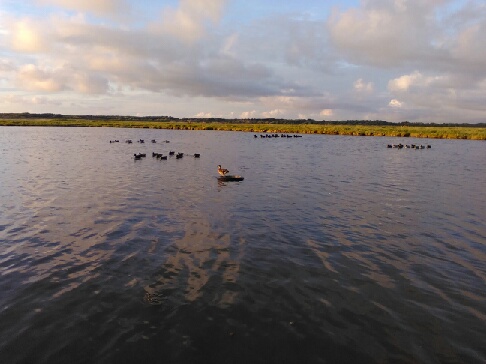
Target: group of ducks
<point>278,136</point>
<point>412,146</point>
<point>138,156</point>
<point>141,141</point>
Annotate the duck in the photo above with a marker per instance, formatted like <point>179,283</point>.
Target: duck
<point>197,155</point>
<point>222,171</point>
<point>179,155</point>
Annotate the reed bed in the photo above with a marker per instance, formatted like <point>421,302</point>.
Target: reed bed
<point>436,132</point>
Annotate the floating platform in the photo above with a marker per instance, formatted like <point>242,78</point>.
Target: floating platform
<point>230,178</point>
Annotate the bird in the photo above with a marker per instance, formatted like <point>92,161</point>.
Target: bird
<point>222,171</point>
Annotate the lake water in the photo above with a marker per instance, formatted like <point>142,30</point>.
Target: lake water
<point>333,249</point>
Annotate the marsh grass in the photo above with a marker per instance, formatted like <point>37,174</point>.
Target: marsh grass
<point>436,132</point>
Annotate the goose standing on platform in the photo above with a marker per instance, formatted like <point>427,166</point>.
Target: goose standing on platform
<point>222,171</point>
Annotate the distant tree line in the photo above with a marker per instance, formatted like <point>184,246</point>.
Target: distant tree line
<point>27,115</point>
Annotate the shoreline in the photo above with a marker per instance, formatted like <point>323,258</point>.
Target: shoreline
<point>412,131</point>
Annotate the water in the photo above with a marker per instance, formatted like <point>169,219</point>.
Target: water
<point>333,249</point>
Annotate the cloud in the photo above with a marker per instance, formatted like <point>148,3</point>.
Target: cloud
<point>32,78</point>
<point>273,113</point>
<point>248,114</point>
<point>187,22</point>
<point>326,112</point>
<point>97,7</point>
<point>27,37</point>
<point>385,33</point>
<point>360,86</point>
<point>203,114</point>
<point>395,103</point>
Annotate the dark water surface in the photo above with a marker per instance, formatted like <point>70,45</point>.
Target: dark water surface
<point>332,250</point>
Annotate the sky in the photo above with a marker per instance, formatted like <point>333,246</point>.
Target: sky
<point>394,60</point>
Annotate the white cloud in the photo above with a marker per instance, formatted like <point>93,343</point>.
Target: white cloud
<point>403,83</point>
<point>248,114</point>
<point>326,112</point>
<point>418,80</point>
<point>395,103</point>
<point>203,114</point>
<point>273,113</point>
<point>361,86</point>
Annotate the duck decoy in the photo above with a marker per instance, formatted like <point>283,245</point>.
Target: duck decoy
<point>222,171</point>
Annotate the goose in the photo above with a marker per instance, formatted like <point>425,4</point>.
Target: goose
<point>222,171</point>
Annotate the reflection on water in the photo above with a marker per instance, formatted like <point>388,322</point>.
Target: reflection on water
<point>333,249</point>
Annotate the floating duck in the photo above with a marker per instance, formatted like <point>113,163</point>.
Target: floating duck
<point>222,171</point>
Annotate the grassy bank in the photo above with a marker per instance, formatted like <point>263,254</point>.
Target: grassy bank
<point>437,132</point>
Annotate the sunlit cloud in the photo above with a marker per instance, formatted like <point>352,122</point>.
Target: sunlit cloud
<point>26,37</point>
<point>395,103</point>
<point>326,112</point>
<point>273,113</point>
<point>248,114</point>
<point>187,21</point>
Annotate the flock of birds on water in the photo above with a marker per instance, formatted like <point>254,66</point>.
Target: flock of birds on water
<point>138,156</point>
<point>277,136</point>
<point>223,172</point>
<point>408,146</point>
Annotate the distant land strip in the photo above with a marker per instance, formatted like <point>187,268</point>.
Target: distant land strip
<point>257,126</point>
